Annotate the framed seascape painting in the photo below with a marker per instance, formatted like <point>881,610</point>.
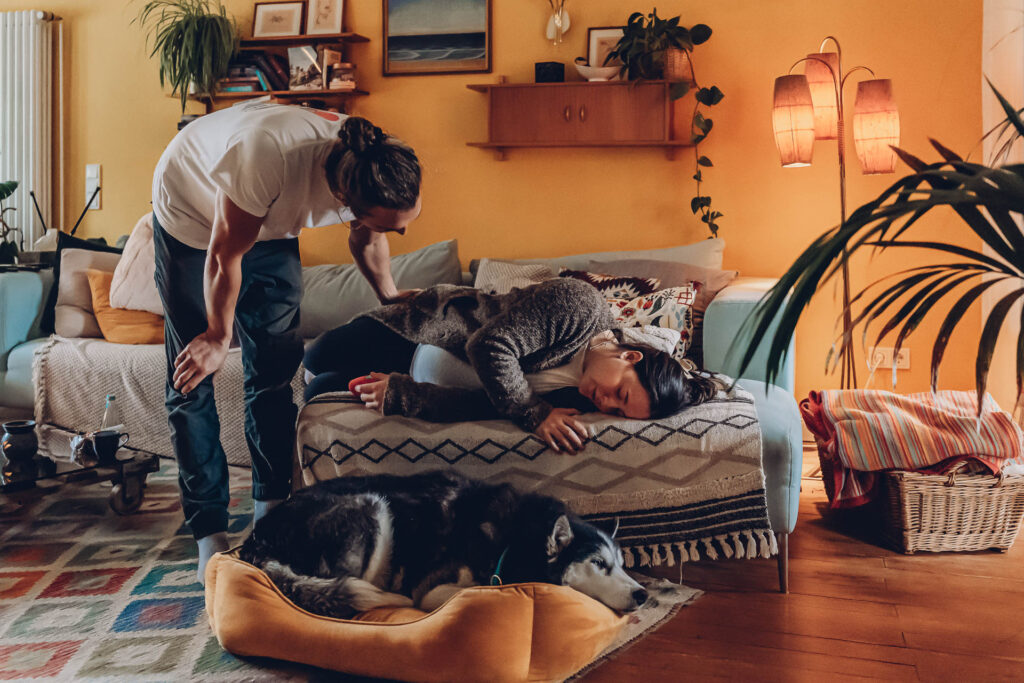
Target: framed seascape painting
<point>436,36</point>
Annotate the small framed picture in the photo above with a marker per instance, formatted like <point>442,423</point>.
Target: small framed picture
<point>278,19</point>
<point>600,41</point>
<point>324,17</point>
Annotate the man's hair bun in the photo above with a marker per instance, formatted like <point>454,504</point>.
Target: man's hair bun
<point>359,135</point>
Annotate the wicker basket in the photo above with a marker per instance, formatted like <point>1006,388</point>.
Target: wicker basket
<point>677,66</point>
<point>952,512</point>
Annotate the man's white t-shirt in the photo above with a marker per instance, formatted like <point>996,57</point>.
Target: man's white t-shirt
<point>267,158</point>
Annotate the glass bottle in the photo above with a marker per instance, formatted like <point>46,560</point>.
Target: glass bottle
<point>111,414</point>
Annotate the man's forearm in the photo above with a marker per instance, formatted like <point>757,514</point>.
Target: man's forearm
<point>372,255</point>
<point>222,281</point>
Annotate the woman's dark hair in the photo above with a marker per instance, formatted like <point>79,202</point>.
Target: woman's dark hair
<point>669,386</point>
<point>368,168</point>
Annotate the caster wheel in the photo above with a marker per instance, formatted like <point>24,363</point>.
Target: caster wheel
<point>122,501</point>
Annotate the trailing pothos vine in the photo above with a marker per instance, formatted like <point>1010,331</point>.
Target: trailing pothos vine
<point>642,50</point>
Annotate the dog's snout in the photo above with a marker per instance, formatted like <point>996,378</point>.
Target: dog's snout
<point>639,596</point>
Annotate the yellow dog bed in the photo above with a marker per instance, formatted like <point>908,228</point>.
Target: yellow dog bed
<point>517,632</point>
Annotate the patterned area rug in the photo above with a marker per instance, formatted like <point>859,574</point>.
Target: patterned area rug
<point>86,594</point>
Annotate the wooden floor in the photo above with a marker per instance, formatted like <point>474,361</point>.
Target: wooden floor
<point>855,610</point>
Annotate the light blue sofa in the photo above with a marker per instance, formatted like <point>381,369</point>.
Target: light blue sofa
<point>22,295</point>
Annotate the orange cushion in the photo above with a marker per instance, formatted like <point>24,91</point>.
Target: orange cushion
<point>517,632</point>
<point>119,325</point>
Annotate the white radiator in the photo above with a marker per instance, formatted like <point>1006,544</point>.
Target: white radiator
<point>28,94</point>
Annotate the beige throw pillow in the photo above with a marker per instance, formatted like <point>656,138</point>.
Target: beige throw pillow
<point>133,287</point>
<point>73,315</point>
<point>500,277</point>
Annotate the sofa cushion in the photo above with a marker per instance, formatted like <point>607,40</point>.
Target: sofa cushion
<point>334,294</point>
<point>65,241</point>
<point>73,314</point>
<point>500,277</point>
<point>615,286</point>
<point>671,274</point>
<point>133,287</point>
<point>706,253</point>
<point>119,325</point>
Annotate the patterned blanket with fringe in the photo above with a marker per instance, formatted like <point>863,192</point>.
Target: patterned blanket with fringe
<point>683,488</point>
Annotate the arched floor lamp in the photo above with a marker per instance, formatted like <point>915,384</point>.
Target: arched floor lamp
<point>809,107</point>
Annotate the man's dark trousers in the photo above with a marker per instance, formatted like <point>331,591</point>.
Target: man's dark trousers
<point>266,325</point>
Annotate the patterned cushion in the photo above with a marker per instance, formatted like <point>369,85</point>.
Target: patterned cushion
<point>671,308</point>
<point>615,286</point>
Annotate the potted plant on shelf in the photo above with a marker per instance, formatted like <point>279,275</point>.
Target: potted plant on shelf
<point>8,248</point>
<point>195,41</point>
<point>990,202</point>
<point>654,48</point>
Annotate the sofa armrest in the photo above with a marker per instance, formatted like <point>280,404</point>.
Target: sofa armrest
<point>22,296</point>
<point>723,321</point>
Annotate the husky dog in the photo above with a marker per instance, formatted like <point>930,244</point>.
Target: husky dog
<point>355,543</point>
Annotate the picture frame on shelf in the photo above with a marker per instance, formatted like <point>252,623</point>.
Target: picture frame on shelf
<point>600,41</point>
<point>324,17</point>
<point>304,71</point>
<point>274,19</point>
<point>419,38</point>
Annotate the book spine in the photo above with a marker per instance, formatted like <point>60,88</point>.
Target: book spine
<point>263,80</point>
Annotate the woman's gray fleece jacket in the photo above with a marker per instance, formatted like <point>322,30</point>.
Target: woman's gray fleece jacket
<point>502,336</point>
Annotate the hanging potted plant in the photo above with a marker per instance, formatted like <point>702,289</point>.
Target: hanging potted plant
<point>653,48</point>
<point>195,41</point>
<point>8,248</point>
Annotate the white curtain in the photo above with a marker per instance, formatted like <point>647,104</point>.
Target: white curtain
<point>1003,64</point>
<point>27,68</point>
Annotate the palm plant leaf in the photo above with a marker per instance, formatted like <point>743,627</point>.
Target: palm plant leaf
<point>988,200</point>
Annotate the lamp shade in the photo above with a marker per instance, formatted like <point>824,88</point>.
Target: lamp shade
<point>793,120</point>
<point>876,126</point>
<point>823,92</point>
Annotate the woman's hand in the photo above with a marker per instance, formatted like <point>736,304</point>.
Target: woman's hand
<point>560,431</point>
<point>203,356</point>
<point>373,393</point>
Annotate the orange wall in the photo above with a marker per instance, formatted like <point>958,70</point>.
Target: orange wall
<point>547,202</point>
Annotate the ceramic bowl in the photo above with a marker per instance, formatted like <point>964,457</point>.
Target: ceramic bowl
<point>598,73</point>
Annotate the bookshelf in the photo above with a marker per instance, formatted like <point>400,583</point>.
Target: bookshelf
<point>280,45</point>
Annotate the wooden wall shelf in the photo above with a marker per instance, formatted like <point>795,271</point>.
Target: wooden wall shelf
<point>614,114</point>
<point>289,41</point>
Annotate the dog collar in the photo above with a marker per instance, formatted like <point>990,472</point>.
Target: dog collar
<point>496,576</point>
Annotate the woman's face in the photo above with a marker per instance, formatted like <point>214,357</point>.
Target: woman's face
<point>379,219</point>
<point>610,382</point>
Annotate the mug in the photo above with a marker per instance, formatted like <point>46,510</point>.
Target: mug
<point>107,442</point>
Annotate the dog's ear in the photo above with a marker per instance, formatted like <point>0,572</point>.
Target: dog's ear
<point>561,536</point>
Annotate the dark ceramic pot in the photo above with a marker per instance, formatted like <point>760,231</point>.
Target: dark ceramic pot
<point>19,446</point>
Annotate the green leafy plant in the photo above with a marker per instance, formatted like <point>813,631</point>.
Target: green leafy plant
<point>195,41</point>
<point>990,202</point>
<point>643,48</point>
<point>8,249</point>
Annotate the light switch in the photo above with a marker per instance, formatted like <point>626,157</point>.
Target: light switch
<point>92,181</point>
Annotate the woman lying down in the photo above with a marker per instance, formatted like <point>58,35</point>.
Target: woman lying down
<point>541,355</point>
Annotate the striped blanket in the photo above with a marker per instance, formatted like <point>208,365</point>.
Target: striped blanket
<point>683,488</point>
<point>862,432</point>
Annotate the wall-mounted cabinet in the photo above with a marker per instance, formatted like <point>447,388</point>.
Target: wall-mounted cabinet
<point>603,114</point>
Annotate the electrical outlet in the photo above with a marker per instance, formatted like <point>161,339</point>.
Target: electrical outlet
<point>92,183</point>
<point>882,357</point>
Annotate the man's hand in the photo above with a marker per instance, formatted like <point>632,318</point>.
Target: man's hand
<point>373,393</point>
<point>402,295</point>
<point>203,356</point>
<point>560,431</point>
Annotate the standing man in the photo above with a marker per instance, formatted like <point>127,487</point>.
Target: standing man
<point>230,195</point>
